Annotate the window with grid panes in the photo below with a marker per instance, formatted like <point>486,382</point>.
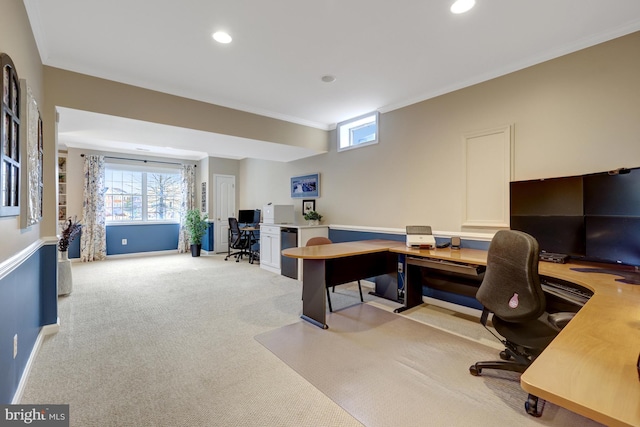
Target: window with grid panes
<point>10,139</point>
<point>142,194</point>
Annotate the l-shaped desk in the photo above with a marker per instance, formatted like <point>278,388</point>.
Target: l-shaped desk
<point>589,368</point>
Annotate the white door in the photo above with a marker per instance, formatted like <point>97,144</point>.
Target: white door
<point>225,186</point>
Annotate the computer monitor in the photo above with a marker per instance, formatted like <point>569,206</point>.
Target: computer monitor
<point>556,234</point>
<point>613,239</point>
<point>246,216</point>
<point>595,217</point>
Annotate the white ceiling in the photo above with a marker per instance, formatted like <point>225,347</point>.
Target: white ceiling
<point>384,55</point>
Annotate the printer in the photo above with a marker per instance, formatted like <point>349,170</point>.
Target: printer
<point>419,236</point>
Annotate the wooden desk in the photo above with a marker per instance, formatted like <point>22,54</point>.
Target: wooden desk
<point>328,265</point>
<point>589,368</point>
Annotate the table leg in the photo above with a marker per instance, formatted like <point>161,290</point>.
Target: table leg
<point>314,300</point>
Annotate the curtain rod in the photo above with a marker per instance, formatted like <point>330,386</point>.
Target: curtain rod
<point>141,160</point>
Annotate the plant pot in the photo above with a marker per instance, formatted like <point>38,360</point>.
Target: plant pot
<point>314,222</point>
<point>65,276</point>
<point>195,250</point>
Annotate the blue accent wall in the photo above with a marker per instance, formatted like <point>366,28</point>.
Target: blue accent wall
<point>28,301</point>
<point>463,300</point>
<point>74,247</point>
<point>141,238</point>
<point>338,236</point>
<point>207,240</point>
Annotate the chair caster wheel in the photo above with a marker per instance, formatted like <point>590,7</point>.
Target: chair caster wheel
<point>504,355</point>
<point>531,406</point>
<point>475,371</point>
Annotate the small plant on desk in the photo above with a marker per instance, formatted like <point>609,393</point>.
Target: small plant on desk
<point>313,217</point>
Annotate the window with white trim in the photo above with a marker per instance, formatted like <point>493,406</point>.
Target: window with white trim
<point>358,132</point>
<point>141,193</point>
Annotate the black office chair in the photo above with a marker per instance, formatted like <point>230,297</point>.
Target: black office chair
<point>325,241</point>
<point>238,241</point>
<point>511,291</point>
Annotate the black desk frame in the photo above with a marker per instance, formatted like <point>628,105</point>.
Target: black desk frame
<point>320,274</point>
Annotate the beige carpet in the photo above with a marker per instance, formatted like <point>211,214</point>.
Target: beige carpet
<point>387,370</point>
<point>168,341</point>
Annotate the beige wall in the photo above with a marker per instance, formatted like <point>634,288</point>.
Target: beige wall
<point>83,92</point>
<point>17,41</point>
<point>79,91</point>
<point>573,115</point>
<point>219,166</point>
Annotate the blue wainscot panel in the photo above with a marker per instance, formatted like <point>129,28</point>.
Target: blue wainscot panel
<point>74,247</point>
<point>28,301</point>
<point>207,240</point>
<point>338,236</point>
<point>141,238</point>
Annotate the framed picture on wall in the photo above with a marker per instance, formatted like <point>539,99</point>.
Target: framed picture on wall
<point>305,186</point>
<point>203,208</point>
<point>308,206</point>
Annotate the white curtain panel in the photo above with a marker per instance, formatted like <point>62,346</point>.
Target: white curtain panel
<point>188,183</point>
<point>93,241</point>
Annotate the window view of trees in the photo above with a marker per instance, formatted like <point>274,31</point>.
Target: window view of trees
<point>136,195</point>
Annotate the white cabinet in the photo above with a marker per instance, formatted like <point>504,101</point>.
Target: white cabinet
<point>270,248</point>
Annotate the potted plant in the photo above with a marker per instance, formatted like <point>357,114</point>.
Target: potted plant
<point>196,227</point>
<point>313,217</point>
<point>71,230</point>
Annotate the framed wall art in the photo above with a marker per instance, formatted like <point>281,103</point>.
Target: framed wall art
<point>308,206</point>
<point>305,186</point>
<point>31,145</point>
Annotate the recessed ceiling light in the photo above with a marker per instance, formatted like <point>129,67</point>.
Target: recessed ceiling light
<point>222,37</point>
<point>328,78</point>
<point>462,6</point>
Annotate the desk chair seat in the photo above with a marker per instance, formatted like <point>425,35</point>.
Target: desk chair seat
<point>511,291</point>
<point>325,241</point>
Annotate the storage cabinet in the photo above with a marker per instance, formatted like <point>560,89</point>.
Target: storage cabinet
<point>270,248</point>
<point>271,245</point>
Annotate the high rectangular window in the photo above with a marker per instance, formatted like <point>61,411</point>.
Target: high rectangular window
<point>358,132</point>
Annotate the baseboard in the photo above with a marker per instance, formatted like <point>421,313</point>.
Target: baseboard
<point>140,254</point>
<point>44,331</point>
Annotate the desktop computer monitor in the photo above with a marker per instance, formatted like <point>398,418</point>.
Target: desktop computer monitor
<point>247,216</point>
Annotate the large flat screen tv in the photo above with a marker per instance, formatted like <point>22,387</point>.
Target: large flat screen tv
<point>595,217</point>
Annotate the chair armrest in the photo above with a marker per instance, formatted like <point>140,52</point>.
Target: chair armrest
<point>560,320</point>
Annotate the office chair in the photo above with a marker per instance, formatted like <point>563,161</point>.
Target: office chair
<point>239,241</point>
<point>325,241</point>
<point>511,291</point>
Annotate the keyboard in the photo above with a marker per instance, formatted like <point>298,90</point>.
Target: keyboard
<point>566,290</point>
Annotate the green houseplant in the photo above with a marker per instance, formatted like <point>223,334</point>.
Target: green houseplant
<point>196,227</point>
<point>313,217</point>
